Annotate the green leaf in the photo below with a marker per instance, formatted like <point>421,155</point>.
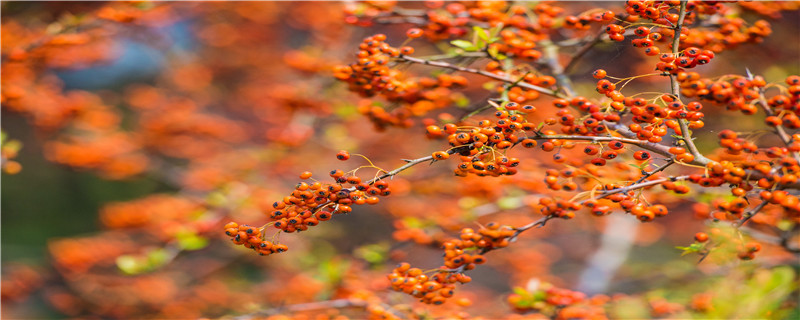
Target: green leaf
<point>520,291</point>
<point>539,295</point>
<point>507,203</point>
<point>188,240</point>
<point>694,247</point>
<point>375,254</point>
<point>156,258</point>
<point>413,223</point>
<point>462,101</point>
<point>496,30</point>
<point>128,264</point>
<point>493,51</point>
<point>463,44</point>
<point>346,110</point>
<point>481,33</point>
<point>216,199</point>
<point>785,225</point>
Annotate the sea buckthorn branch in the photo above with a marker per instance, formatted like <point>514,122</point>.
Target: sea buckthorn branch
<point>467,251</point>
<point>779,129</point>
<point>663,167</point>
<point>310,204</point>
<point>505,79</point>
<point>538,223</point>
<point>676,88</point>
<point>564,81</point>
<point>640,185</point>
<point>655,147</point>
<point>411,163</point>
<point>749,214</point>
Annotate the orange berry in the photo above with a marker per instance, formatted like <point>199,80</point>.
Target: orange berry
<point>414,33</point>
<point>701,237</point>
<point>599,74</point>
<point>343,155</point>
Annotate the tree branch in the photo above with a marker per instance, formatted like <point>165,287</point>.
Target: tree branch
<point>676,88</point>
<point>487,74</point>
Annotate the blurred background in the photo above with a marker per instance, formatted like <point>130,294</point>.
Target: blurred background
<point>142,127</point>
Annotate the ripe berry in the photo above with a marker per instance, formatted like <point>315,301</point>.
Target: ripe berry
<point>414,33</point>
<point>343,155</point>
<point>615,144</point>
<point>599,74</point>
<point>440,155</point>
<point>701,237</point>
<point>641,155</point>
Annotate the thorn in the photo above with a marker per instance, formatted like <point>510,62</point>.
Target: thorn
<point>749,74</point>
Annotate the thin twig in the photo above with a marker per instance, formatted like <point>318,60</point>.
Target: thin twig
<point>538,223</point>
<point>670,162</point>
<point>640,185</point>
<point>785,137</point>
<point>657,148</point>
<point>505,79</point>
<point>411,163</point>
<point>749,214</point>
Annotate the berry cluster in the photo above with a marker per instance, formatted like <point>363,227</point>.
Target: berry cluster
<point>589,123</point>
<point>444,21</point>
<point>432,290</point>
<point>480,143</point>
<point>650,120</point>
<point>662,12</point>
<point>583,21</point>
<point>769,9</point>
<point>643,211</point>
<point>309,204</point>
<point>550,300</point>
<point>493,236</point>
<point>719,238</point>
<point>252,238</point>
<point>551,175</point>
<point>739,93</point>
<point>729,33</point>
<point>688,58</point>
<point>558,208</point>
<point>405,232</point>
<point>460,255</point>
<point>791,203</point>
<point>519,43</point>
<point>372,74</point>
